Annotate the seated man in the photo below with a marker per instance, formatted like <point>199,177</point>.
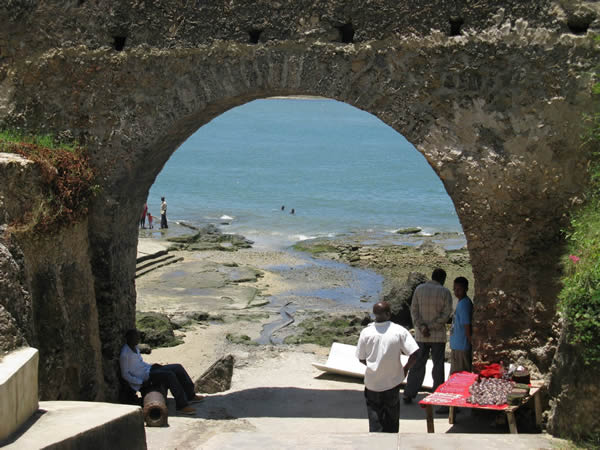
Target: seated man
<point>173,376</point>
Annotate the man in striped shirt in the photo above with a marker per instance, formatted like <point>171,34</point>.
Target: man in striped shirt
<point>430,309</point>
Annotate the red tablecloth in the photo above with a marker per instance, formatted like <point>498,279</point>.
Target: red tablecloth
<point>455,392</point>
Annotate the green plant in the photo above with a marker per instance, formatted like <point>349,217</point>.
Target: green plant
<point>580,296</point>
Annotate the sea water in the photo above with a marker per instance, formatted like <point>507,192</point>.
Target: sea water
<point>341,169</point>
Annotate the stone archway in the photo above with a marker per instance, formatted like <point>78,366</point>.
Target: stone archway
<point>495,111</point>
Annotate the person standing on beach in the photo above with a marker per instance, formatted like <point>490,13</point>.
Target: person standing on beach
<point>163,213</point>
<point>380,346</point>
<point>430,310</point>
<point>461,353</point>
<point>460,337</point>
<point>143,218</point>
<point>150,221</point>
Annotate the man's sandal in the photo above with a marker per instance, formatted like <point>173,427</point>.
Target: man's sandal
<point>197,398</point>
<point>187,410</point>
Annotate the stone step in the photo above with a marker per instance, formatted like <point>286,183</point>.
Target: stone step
<point>145,257</point>
<point>150,262</point>
<point>86,425</point>
<point>379,441</point>
<point>301,440</point>
<point>156,266</point>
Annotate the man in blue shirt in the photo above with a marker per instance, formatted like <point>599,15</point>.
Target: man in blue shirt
<point>460,336</point>
<point>137,373</point>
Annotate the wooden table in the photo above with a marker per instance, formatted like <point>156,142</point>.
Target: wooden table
<point>509,410</point>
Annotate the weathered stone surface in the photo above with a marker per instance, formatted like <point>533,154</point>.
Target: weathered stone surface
<point>400,298</point>
<point>65,317</point>
<point>47,290</point>
<point>494,105</point>
<point>217,377</point>
<point>15,302</point>
<point>574,391</point>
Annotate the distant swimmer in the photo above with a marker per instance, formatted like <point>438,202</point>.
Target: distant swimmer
<point>282,207</point>
<point>293,211</point>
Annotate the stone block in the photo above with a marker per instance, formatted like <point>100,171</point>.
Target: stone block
<point>18,389</point>
<point>66,425</point>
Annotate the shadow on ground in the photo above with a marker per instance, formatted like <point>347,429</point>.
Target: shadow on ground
<point>282,402</point>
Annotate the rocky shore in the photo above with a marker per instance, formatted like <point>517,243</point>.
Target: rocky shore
<point>288,297</point>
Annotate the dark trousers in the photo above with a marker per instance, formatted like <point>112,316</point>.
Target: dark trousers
<point>163,221</point>
<point>177,380</point>
<point>417,372</point>
<point>143,222</point>
<point>383,409</point>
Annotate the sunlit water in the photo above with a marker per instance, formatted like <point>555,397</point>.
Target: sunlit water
<point>340,168</point>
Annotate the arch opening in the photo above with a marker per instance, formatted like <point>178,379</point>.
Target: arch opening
<point>320,174</point>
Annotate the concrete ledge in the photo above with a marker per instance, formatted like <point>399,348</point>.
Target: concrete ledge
<point>18,389</point>
<point>64,425</point>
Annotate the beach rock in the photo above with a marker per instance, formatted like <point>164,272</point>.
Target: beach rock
<point>217,378</point>
<point>210,237</point>
<point>145,349</point>
<point>431,247</point>
<point>400,298</point>
<point>324,330</point>
<point>241,274</point>
<point>410,230</point>
<point>180,321</point>
<point>155,329</point>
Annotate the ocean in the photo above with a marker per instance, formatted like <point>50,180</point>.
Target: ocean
<point>341,169</point>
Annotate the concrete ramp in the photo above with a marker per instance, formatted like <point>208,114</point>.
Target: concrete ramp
<point>85,425</point>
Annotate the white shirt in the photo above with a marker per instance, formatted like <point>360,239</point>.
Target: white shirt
<point>381,344</point>
<point>133,368</point>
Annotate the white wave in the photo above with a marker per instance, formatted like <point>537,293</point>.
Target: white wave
<point>225,217</point>
<point>301,237</point>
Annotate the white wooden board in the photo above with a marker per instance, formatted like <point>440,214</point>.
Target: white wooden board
<point>342,361</point>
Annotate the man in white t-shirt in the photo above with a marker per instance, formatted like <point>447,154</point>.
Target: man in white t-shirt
<point>379,348</point>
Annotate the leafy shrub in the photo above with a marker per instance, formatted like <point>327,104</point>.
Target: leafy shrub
<point>580,296</point>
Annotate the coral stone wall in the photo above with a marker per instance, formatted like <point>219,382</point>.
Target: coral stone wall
<point>491,93</point>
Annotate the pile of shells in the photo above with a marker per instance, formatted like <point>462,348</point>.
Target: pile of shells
<point>489,391</point>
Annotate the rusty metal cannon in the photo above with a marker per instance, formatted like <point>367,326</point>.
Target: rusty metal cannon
<point>156,413</point>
